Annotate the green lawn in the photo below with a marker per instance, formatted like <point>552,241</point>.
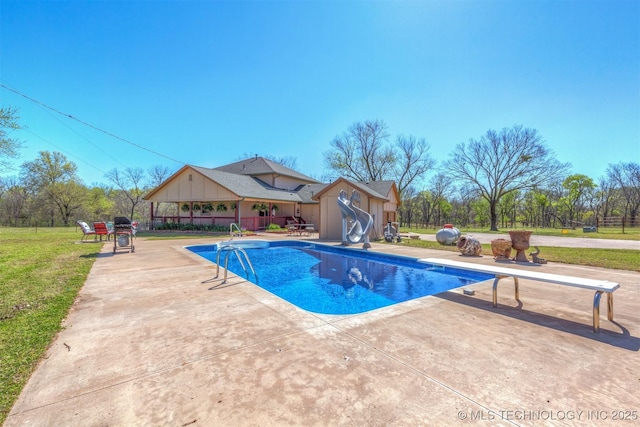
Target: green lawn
<point>42,270</point>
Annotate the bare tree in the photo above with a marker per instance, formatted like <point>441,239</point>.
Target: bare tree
<point>441,187</point>
<point>604,198</point>
<point>363,154</point>
<point>627,176</point>
<point>130,185</point>
<point>14,200</point>
<point>412,162</point>
<point>157,175</point>
<point>360,153</point>
<point>502,162</point>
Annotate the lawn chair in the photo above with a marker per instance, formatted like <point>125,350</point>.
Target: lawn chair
<point>86,231</point>
<point>101,229</point>
<point>291,227</point>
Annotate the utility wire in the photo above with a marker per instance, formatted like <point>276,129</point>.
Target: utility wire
<point>89,124</point>
<point>97,147</point>
<point>65,151</point>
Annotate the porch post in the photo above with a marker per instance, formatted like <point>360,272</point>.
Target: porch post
<point>238,215</point>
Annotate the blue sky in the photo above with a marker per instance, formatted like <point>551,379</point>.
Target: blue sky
<point>207,82</point>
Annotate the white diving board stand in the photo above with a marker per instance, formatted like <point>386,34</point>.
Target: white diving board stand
<point>599,286</point>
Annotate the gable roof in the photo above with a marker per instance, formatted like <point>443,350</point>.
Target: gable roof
<point>306,192</point>
<point>243,186</point>
<point>256,166</point>
<point>381,187</point>
<point>366,188</point>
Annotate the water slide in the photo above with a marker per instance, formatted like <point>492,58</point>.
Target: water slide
<point>358,222</point>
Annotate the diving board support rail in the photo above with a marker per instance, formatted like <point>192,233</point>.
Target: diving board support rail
<point>499,273</point>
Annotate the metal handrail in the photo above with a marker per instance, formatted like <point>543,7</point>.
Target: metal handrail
<point>231,233</point>
<point>236,250</point>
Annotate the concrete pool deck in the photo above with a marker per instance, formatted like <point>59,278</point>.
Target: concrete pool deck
<point>148,343</point>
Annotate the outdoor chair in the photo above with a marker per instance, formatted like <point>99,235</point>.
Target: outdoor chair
<point>101,229</point>
<point>86,231</point>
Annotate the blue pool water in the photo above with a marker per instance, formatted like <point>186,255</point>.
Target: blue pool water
<point>337,280</point>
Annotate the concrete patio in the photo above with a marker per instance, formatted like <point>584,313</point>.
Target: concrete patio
<point>147,343</point>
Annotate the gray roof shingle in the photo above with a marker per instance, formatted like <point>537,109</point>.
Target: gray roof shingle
<point>247,186</point>
<point>256,166</point>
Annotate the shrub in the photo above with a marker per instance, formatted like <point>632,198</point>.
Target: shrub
<point>174,226</point>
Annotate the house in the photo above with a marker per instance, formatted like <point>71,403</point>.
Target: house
<point>256,192</point>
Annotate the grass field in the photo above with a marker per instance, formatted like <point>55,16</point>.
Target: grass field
<point>42,270</point>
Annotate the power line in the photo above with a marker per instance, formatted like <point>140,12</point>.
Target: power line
<point>96,146</point>
<point>66,152</point>
<point>88,124</point>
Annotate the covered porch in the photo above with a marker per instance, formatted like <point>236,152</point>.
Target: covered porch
<point>251,215</point>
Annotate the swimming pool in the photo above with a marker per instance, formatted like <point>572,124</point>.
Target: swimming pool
<point>336,280</point>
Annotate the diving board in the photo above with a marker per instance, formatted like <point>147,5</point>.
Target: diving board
<point>599,286</point>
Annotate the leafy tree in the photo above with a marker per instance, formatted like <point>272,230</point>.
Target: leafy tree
<point>8,146</point>
<point>507,208</point>
<point>577,187</point>
<point>100,205</point>
<point>480,209</point>
<point>55,179</point>
<point>503,162</point>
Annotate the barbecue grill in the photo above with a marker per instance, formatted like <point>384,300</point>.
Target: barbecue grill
<point>124,233</point>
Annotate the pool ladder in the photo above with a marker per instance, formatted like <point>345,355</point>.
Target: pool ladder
<point>240,253</point>
<point>238,231</point>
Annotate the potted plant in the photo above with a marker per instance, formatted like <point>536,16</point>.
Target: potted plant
<point>207,207</point>
<point>259,207</point>
<point>196,207</point>
<point>221,207</point>
<point>185,207</point>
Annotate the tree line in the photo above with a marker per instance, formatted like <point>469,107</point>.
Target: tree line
<point>501,179</point>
